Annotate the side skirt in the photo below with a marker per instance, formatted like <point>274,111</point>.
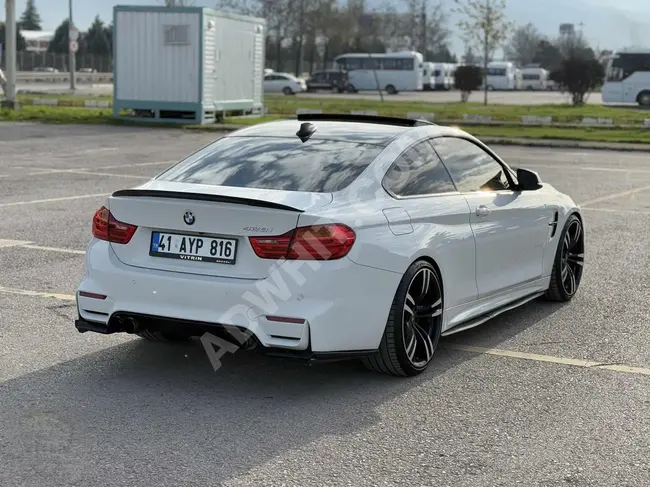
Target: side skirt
<point>479,320</point>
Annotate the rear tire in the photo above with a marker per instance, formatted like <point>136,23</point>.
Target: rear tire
<point>414,324</point>
<point>159,336</point>
<point>391,90</point>
<point>643,99</point>
<point>569,262</point>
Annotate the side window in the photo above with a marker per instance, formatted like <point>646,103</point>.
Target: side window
<point>471,168</point>
<point>418,171</point>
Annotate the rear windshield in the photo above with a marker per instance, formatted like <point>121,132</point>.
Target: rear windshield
<point>319,166</point>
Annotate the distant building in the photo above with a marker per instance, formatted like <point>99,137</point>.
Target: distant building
<point>37,40</point>
<point>567,29</point>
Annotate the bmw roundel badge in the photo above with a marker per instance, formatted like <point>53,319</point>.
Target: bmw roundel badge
<point>188,218</point>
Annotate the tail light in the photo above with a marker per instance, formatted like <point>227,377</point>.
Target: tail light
<point>317,242</point>
<point>106,227</point>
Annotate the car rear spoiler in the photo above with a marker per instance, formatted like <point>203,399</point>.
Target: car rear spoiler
<point>217,198</point>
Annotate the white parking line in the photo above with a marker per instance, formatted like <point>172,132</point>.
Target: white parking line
<point>5,243</point>
<point>93,173</point>
<point>27,292</point>
<point>54,249</point>
<point>35,170</point>
<point>555,360</point>
<point>625,212</point>
<point>629,192</point>
<point>53,200</point>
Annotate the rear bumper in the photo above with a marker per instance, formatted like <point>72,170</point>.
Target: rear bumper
<point>308,355</point>
<point>341,307</point>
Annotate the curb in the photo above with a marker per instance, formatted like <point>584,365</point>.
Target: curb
<point>467,119</point>
<point>54,102</point>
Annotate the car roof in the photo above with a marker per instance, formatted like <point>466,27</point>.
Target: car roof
<point>348,131</point>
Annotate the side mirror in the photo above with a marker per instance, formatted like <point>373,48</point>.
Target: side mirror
<point>528,180</point>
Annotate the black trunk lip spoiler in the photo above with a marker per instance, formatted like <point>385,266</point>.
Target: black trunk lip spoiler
<point>216,198</point>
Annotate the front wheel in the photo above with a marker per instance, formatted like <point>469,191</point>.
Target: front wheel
<point>569,262</point>
<point>414,324</point>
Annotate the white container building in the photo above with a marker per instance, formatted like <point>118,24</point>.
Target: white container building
<point>186,64</point>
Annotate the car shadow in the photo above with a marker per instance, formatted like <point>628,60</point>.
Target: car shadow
<point>159,411</point>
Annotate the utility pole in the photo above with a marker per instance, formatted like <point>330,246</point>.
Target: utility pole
<point>73,35</point>
<point>486,51</point>
<point>10,40</point>
<point>423,19</point>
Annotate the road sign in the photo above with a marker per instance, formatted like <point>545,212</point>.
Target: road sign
<point>74,46</point>
<point>74,34</point>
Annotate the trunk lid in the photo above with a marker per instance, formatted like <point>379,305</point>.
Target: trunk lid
<point>222,219</point>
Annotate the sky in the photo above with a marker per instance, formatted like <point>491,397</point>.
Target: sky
<point>607,23</point>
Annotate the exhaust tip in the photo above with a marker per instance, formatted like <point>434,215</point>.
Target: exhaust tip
<point>130,325</point>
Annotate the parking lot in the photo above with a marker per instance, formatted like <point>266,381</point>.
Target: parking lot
<point>546,395</point>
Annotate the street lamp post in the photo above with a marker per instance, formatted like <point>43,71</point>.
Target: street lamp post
<point>73,35</point>
<point>10,40</point>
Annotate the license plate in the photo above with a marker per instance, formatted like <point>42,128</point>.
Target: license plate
<point>192,247</point>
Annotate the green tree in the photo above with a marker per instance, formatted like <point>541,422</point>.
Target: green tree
<point>96,40</point>
<point>524,45</point>
<point>20,40</point>
<point>484,27</point>
<point>30,19</point>
<point>579,75</point>
<point>59,43</point>
<point>108,32</point>
<point>548,56</point>
<point>467,79</point>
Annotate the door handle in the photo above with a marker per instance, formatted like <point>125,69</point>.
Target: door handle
<point>482,211</point>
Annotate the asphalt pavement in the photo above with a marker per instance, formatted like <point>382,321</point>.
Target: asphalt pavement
<point>545,395</point>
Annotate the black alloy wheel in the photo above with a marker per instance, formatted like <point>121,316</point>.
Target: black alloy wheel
<point>569,262</point>
<point>414,324</point>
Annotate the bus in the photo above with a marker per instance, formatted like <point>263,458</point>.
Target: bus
<point>627,78</point>
<point>501,76</point>
<point>395,71</point>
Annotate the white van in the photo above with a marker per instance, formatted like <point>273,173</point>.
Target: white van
<point>428,81</point>
<point>395,71</point>
<point>451,73</point>
<point>501,76</point>
<point>441,75</point>
<point>534,79</point>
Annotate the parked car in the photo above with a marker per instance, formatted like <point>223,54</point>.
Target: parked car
<point>283,83</point>
<point>330,80</point>
<point>367,237</point>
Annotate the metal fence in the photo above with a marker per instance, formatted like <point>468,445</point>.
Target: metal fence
<point>29,61</point>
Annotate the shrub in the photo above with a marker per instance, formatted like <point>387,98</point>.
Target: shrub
<point>467,79</point>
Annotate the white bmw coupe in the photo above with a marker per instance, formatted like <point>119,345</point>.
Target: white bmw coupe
<point>330,237</point>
